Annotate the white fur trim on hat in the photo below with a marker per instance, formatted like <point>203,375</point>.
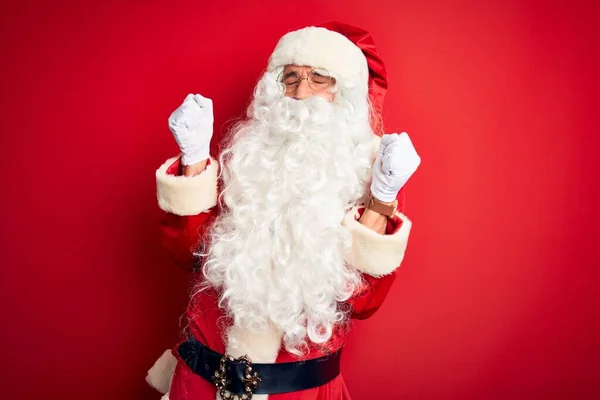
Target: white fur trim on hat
<point>186,195</point>
<point>372,253</point>
<point>321,48</point>
<point>161,373</point>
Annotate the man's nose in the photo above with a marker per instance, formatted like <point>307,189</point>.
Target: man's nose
<point>303,90</point>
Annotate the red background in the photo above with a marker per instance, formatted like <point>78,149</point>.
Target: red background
<point>496,298</point>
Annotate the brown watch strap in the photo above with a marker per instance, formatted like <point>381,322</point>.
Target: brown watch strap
<point>384,209</point>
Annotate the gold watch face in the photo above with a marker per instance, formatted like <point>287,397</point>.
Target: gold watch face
<point>384,209</point>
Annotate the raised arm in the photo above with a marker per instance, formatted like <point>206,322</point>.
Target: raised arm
<point>379,241</point>
<point>186,185</point>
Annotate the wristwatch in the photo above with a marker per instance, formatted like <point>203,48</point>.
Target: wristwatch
<point>382,208</point>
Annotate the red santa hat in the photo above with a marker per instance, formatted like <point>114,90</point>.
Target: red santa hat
<point>346,51</point>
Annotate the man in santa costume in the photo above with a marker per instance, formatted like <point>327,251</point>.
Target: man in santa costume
<point>296,227</point>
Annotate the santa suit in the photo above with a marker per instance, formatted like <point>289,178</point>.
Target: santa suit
<point>189,205</point>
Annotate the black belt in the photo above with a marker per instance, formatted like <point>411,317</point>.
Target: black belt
<point>242,377</point>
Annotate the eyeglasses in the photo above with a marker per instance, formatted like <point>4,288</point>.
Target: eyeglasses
<point>318,80</point>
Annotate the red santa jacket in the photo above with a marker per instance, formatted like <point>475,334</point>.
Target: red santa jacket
<point>189,206</point>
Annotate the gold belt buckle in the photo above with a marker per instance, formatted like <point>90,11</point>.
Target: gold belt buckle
<point>251,379</point>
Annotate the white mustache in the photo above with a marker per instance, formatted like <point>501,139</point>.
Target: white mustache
<point>292,115</point>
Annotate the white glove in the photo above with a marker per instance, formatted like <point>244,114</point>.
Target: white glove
<point>192,127</point>
<point>396,161</point>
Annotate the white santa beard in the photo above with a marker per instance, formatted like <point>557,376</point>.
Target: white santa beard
<point>277,251</point>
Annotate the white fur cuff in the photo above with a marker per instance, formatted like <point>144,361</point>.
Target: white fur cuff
<point>183,195</point>
<point>372,253</point>
<point>161,373</point>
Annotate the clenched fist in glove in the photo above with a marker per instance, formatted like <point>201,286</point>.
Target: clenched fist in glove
<point>192,127</point>
<point>396,161</point>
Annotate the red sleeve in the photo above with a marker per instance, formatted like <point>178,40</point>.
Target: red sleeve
<point>371,295</point>
<point>181,235</point>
